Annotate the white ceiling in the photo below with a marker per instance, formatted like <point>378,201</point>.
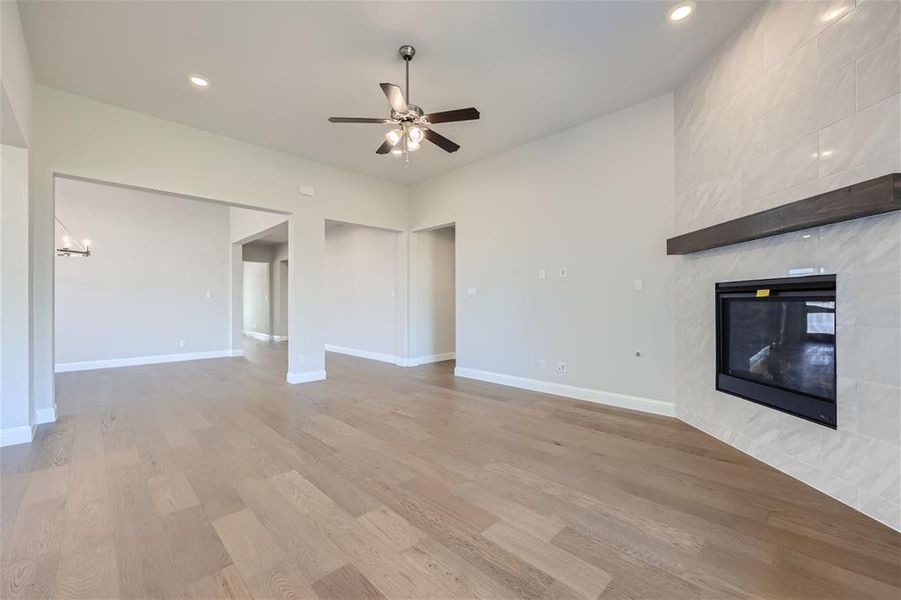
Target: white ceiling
<point>279,69</point>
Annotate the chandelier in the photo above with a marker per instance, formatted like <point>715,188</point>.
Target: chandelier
<point>66,249</point>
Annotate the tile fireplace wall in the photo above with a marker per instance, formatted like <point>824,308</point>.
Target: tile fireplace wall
<point>798,102</point>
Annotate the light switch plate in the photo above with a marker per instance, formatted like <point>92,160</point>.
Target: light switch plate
<point>542,274</point>
<point>638,285</point>
<point>472,291</point>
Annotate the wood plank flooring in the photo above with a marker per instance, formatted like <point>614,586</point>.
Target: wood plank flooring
<point>215,479</point>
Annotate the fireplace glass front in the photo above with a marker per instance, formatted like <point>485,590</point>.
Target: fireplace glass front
<point>776,344</point>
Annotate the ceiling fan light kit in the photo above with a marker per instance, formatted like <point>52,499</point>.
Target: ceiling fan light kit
<point>412,124</point>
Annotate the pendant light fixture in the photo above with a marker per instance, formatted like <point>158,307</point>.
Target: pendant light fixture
<point>66,248</point>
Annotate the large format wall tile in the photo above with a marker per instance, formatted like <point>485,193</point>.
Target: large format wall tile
<point>879,412</point>
<point>802,100</point>
<point>878,74</point>
<point>866,135</point>
<point>860,31</point>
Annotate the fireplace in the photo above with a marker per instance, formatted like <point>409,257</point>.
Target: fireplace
<point>775,344</point>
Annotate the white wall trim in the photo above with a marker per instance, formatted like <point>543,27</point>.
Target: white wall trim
<point>238,352</point>
<point>265,337</point>
<point>432,358</point>
<point>306,377</point>
<point>648,405</point>
<point>143,360</point>
<point>45,415</point>
<point>16,435</point>
<point>388,358</point>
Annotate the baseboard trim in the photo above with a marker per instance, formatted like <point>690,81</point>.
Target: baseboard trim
<point>143,360</point>
<point>45,415</point>
<point>432,358</point>
<point>648,405</point>
<point>390,358</point>
<point>16,435</point>
<point>306,377</point>
<point>264,337</point>
<point>379,356</point>
<point>279,338</point>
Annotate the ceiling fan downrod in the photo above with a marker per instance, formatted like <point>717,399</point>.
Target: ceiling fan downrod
<point>407,52</point>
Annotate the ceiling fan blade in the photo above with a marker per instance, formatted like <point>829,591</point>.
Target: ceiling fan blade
<point>385,148</point>
<point>395,97</point>
<point>357,120</point>
<point>440,140</point>
<point>447,116</point>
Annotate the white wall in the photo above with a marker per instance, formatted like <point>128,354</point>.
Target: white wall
<point>597,200</point>
<point>433,307</point>
<point>279,285</point>
<point>155,260</point>
<point>15,405</point>
<point>256,297</point>
<point>257,252</point>
<point>85,138</point>
<point>245,223</point>
<point>16,81</point>
<point>793,105</point>
<point>17,410</point>
<point>361,283</point>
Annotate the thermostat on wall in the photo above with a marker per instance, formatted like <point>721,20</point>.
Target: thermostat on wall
<point>307,190</point>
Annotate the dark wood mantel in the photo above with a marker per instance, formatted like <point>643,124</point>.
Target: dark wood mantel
<point>873,197</point>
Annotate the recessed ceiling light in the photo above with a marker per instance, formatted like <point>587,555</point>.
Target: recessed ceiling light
<point>681,11</point>
<point>198,81</point>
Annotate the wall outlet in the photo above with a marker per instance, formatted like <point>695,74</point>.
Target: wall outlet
<point>472,291</point>
<point>561,367</point>
<point>541,364</point>
<point>182,343</point>
<point>542,274</point>
<point>638,285</point>
<point>562,272</point>
<point>306,190</point>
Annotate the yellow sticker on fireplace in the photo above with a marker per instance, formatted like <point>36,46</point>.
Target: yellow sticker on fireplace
<point>763,293</point>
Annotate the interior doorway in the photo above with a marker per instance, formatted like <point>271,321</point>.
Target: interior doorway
<point>256,300</point>
<point>362,280</point>
<point>434,289</point>
<point>154,286</point>
<point>158,284</point>
<point>265,285</point>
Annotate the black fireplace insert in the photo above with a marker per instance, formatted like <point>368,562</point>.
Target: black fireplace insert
<point>775,344</point>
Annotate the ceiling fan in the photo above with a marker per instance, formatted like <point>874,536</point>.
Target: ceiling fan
<point>412,124</point>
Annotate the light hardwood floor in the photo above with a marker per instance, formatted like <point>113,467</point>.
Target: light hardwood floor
<point>214,478</point>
